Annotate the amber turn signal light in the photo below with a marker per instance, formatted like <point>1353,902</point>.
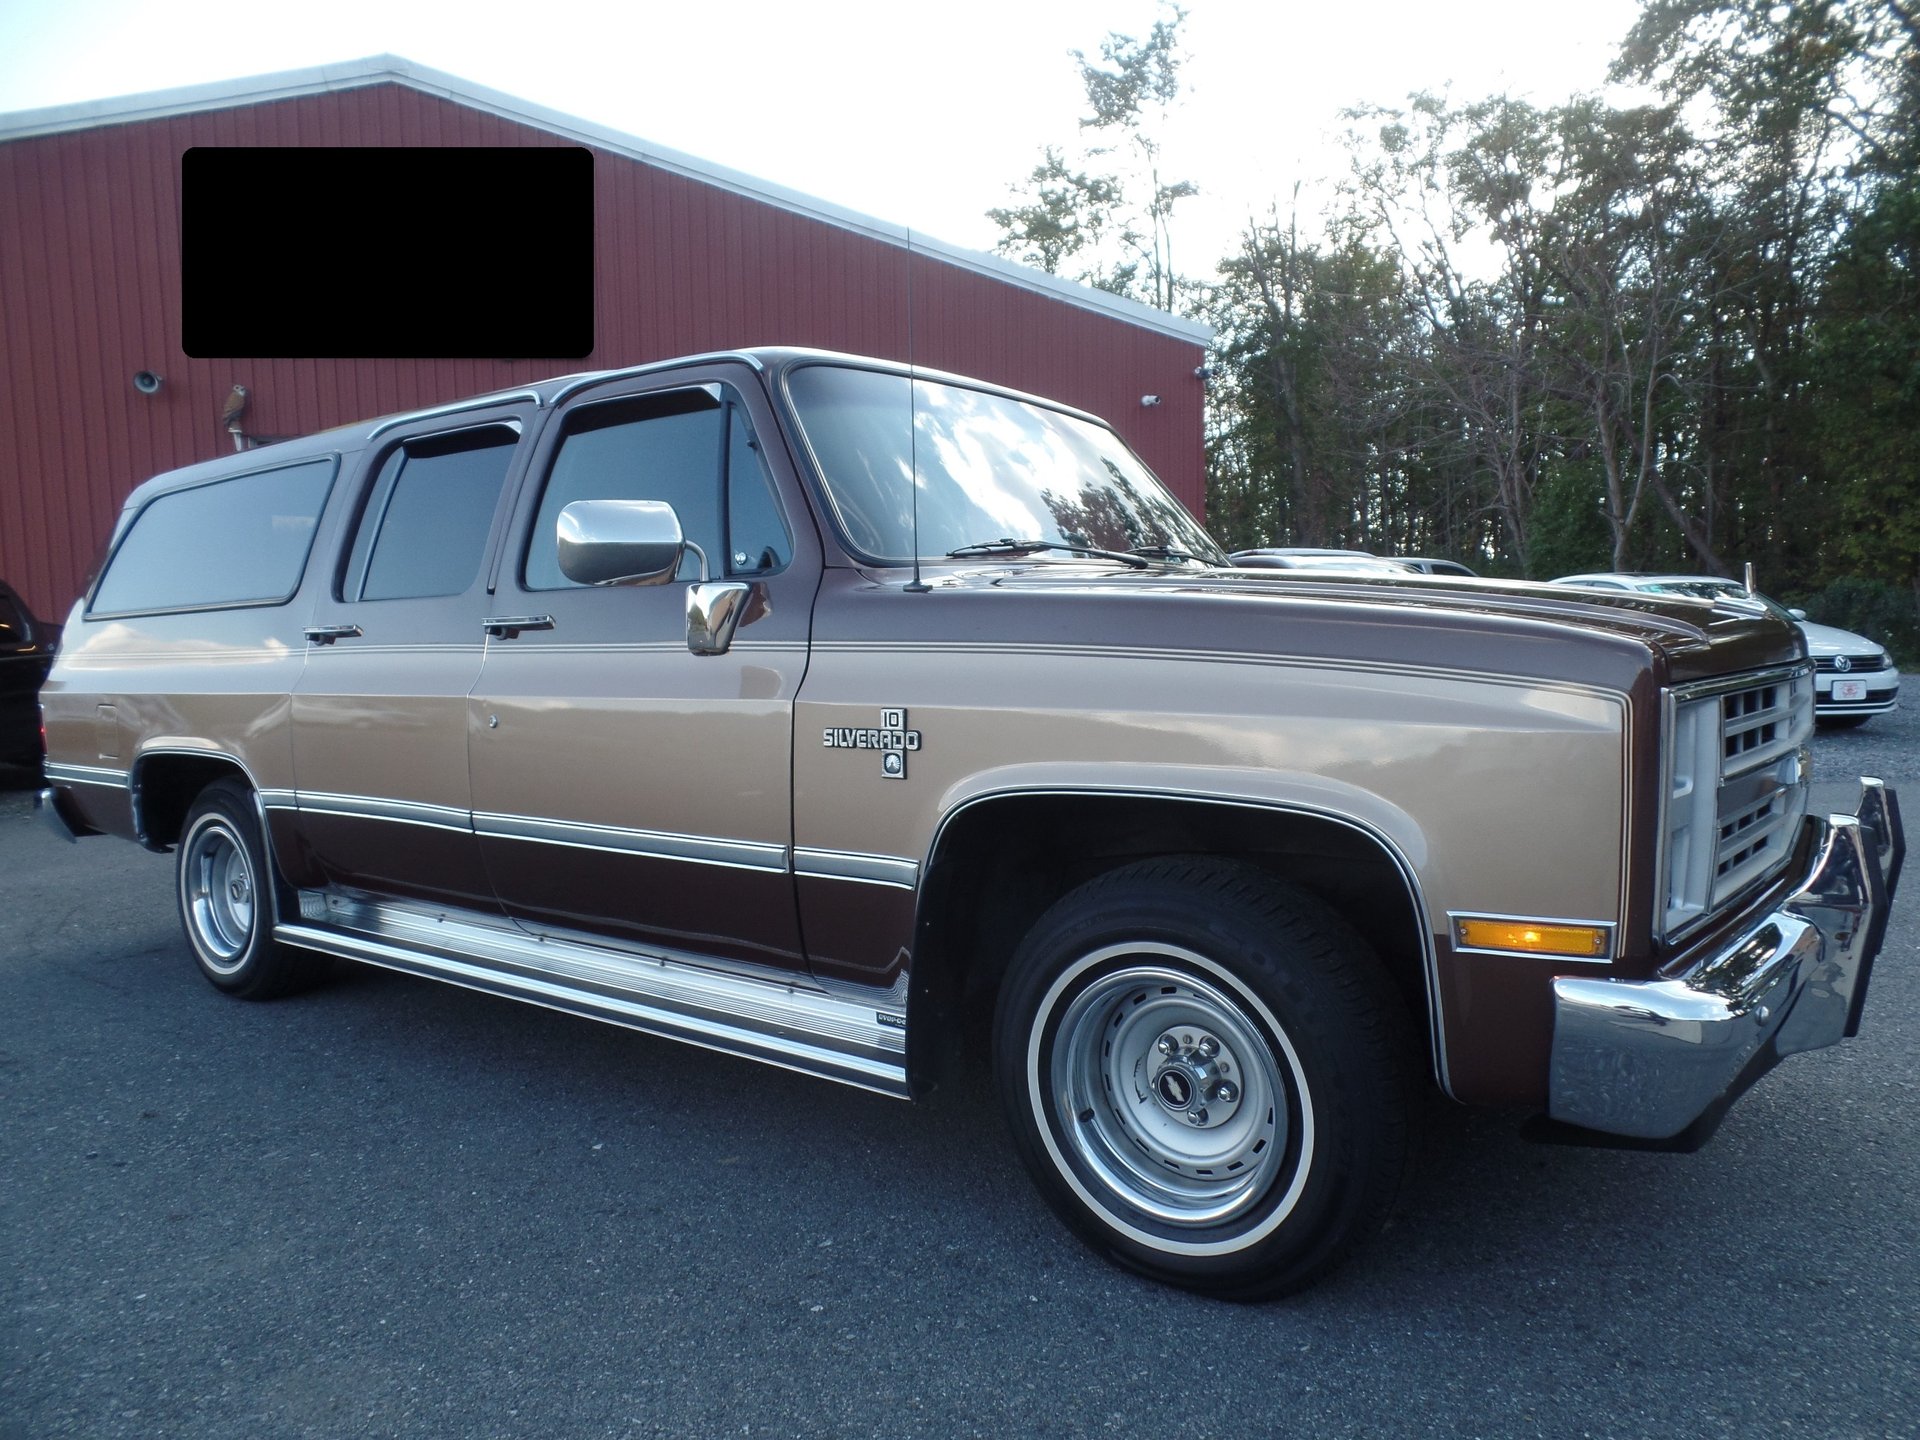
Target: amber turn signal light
<point>1532,937</point>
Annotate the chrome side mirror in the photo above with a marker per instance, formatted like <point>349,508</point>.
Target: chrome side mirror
<point>620,542</point>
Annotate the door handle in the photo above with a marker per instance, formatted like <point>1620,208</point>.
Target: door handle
<point>327,634</point>
<point>508,626</point>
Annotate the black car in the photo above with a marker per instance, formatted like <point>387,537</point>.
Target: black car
<point>26,653</point>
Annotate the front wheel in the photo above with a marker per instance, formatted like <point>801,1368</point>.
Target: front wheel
<point>1205,1072</point>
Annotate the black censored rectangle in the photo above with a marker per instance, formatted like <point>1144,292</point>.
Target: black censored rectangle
<point>403,252</point>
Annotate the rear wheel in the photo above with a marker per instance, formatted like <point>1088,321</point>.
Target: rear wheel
<point>223,884</point>
<point>1205,1072</point>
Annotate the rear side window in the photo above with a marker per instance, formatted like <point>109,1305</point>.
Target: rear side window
<point>13,625</point>
<point>242,541</point>
<point>423,529</point>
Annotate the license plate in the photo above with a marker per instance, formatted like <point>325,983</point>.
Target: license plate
<point>1849,689</point>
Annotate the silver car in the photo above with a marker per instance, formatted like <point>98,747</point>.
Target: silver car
<point>1854,678</point>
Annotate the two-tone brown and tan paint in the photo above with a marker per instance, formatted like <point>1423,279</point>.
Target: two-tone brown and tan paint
<point>1497,745</point>
<point>1491,752</point>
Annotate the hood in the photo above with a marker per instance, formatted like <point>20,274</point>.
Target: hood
<point>1490,626</point>
<point>1826,640</point>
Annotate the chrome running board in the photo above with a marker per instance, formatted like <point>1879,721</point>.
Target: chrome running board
<point>787,1022</point>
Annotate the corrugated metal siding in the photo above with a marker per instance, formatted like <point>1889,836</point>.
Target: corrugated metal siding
<point>90,293</point>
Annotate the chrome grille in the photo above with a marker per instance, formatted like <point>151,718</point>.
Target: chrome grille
<point>1756,725</point>
<point>1830,664</point>
<point>1736,789</point>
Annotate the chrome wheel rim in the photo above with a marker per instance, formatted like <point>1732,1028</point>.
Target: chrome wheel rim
<point>218,888</point>
<point>1173,1096</point>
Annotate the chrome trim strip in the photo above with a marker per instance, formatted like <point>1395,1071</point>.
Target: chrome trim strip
<point>64,774</point>
<point>191,751</point>
<point>1745,680</point>
<point>655,844</point>
<point>318,655</point>
<point>1408,875</point>
<point>852,865</point>
<point>279,799</point>
<point>767,856</point>
<point>367,807</point>
<point>1611,927</point>
<point>787,1023</point>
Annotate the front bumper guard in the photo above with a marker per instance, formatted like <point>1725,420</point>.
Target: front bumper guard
<point>1661,1060</point>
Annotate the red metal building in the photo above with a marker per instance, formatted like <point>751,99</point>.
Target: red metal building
<point>689,257</point>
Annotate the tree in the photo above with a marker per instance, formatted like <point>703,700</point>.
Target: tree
<point>1066,212</point>
<point>1109,209</point>
<point>1435,184</point>
<point>1795,100</point>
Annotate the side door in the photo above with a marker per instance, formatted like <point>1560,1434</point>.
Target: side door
<point>393,649</point>
<point>623,785</point>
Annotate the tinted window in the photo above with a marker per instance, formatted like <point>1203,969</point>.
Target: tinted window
<point>757,533</point>
<point>673,447</point>
<point>423,530</point>
<point>234,542</point>
<point>982,466</point>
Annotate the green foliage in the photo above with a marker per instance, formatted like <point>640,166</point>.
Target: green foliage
<point>1105,217</point>
<point>1569,534</point>
<point>1669,336</point>
<point>1866,377</point>
<point>1066,212</point>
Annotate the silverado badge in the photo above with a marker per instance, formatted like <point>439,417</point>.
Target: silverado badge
<point>892,739</point>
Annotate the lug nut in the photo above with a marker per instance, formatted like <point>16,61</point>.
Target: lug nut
<point>1208,1047</point>
<point>1225,1093</point>
<point>1167,1045</point>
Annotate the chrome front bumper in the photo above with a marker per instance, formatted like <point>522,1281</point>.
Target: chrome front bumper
<point>1662,1059</point>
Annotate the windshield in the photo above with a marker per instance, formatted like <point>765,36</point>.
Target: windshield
<point>1698,589</point>
<point>987,467</point>
<point>1720,590</point>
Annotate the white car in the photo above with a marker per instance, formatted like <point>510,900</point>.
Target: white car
<point>1853,677</point>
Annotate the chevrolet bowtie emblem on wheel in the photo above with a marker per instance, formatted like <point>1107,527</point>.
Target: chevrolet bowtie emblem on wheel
<point>893,740</point>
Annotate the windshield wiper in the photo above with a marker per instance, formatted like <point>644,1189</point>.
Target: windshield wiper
<point>1167,552</point>
<point>1028,547</point>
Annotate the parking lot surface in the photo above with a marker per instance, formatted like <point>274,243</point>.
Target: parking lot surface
<point>395,1208</point>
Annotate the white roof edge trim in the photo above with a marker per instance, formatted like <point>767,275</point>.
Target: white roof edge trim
<point>380,69</point>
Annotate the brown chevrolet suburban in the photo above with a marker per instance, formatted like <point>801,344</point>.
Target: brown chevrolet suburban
<point>811,708</point>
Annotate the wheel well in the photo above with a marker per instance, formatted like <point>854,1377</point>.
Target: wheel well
<point>164,788</point>
<point>1000,863</point>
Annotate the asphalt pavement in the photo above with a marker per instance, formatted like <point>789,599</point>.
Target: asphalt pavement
<point>393,1208</point>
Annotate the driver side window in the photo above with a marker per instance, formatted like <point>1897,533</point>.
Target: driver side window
<point>692,448</point>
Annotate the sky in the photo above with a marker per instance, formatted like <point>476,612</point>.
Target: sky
<point>921,115</point>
